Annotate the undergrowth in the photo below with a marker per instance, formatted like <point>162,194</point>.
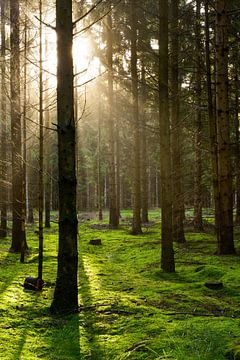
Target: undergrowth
<point>129,308</point>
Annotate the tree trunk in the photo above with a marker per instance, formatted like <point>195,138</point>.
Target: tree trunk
<point>47,146</point>
<point>100,213</point>
<point>212,124</point>
<point>198,222</point>
<point>237,152</point>
<point>225,243</point>
<point>66,291</point>
<point>113,213</point>
<point>18,221</point>
<point>136,225</point>
<point>144,193</point>
<point>167,255</point>
<point>178,198</point>
<point>3,227</point>
<point>40,170</point>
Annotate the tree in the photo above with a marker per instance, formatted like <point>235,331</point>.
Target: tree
<point>225,241</point>
<point>167,257</point>
<point>198,223</point>
<point>66,291</point>
<point>178,197</point>
<point>18,225</point>
<point>3,228</point>
<point>136,225</point>
<point>113,211</point>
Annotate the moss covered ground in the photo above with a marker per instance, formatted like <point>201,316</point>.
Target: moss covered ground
<point>129,308</point>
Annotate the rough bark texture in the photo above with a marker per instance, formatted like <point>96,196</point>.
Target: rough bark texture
<point>178,198</point>
<point>198,222</point>
<point>113,212</point>
<point>18,225</point>
<point>237,150</point>
<point>225,243</point>
<point>66,291</point>
<point>136,225</point>
<point>167,257</point>
<point>3,227</point>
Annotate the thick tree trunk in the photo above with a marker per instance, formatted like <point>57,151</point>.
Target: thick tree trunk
<point>198,222</point>
<point>3,227</point>
<point>167,256</point>
<point>178,198</point>
<point>66,291</point>
<point>18,224</point>
<point>113,212</point>
<point>136,225</point>
<point>225,243</point>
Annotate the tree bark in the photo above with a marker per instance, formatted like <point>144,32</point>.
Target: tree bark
<point>113,212</point>
<point>4,186</point>
<point>198,222</point>
<point>18,220</point>
<point>136,225</point>
<point>225,243</point>
<point>178,197</point>
<point>167,255</point>
<point>66,291</point>
<point>212,123</point>
<point>144,193</point>
<point>237,151</point>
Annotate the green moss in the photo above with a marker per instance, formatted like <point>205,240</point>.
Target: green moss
<point>130,309</point>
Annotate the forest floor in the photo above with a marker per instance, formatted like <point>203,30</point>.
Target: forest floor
<point>129,308</point>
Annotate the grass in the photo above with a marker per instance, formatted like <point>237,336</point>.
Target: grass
<point>130,309</point>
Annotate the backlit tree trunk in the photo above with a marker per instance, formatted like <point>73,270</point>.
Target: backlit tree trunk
<point>167,256</point>
<point>3,227</point>
<point>66,291</point>
<point>136,225</point>
<point>113,211</point>
<point>18,224</point>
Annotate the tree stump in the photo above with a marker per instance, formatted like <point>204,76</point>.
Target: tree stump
<point>95,242</point>
<point>214,285</point>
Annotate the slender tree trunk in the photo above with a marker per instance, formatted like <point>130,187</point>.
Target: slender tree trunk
<point>66,291</point>
<point>144,193</point>
<point>225,243</point>
<point>167,255</point>
<point>212,123</point>
<point>136,225</point>
<point>3,227</point>
<point>18,224</point>
<point>100,214</point>
<point>178,204</point>
<point>47,153</point>
<point>198,222</point>
<point>118,173</point>
<point>40,171</point>
<point>237,152</point>
<point>113,213</point>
